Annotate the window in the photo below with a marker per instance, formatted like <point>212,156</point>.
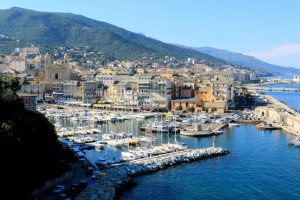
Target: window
<point>32,101</point>
<point>56,76</point>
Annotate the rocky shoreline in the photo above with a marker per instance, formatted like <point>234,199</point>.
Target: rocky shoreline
<point>120,177</point>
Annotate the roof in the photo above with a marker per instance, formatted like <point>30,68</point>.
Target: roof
<point>185,99</point>
<point>26,95</point>
<point>186,87</point>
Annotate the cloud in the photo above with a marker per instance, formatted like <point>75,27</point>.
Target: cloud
<point>277,52</point>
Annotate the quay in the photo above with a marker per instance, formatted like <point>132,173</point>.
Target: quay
<point>120,177</point>
<point>279,115</point>
<point>274,89</point>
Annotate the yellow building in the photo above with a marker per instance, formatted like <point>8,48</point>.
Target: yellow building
<point>215,93</point>
<point>112,94</point>
<point>167,76</point>
<point>184,104</point>
<point>107,71</point>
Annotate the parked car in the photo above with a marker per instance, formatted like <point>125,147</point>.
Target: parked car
<point>89,171</point>
<point>63,197</point>
<point>96,175</point>
<point>58,189</point>
<point>83,184</point>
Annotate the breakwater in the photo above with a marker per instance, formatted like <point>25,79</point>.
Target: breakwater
<point>119,177</point>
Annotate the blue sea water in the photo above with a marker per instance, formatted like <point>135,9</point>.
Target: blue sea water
<point>292,99</point>
<point>260,165</point>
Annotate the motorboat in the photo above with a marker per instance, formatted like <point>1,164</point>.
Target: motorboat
<point>101,161</point>
<point>217,132</point>
<point>294,141</point>
<point>233,124</point>
<point>115,143</point>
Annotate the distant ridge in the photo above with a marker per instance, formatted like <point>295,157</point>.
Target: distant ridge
<point>25,27</point>
<point>247,61</point>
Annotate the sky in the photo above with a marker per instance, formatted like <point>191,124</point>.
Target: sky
<point>269,30</point>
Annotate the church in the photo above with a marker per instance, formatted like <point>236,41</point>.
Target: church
<point>58,71</point>
<point>56,74</point>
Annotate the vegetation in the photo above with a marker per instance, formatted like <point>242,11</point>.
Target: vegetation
<point>191,109</point>
<point>32,153</point>
<point>64,29</point>
<point>178,108</point>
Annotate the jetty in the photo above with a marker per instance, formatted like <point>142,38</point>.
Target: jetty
<point>282,89</point>
<point>116,179</point>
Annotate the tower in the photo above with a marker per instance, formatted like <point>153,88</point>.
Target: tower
<point>66,60</point>
<point>47,60</point>
<point>214,142</point>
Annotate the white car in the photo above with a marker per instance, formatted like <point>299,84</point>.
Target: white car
<point>58,188</point>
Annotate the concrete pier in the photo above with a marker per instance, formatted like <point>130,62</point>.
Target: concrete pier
<point>119,177</point>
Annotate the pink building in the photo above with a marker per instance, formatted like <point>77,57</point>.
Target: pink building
<point>29,100</point>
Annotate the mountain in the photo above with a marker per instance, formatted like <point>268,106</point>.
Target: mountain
<point>247,61</point>
<point>57,29</point>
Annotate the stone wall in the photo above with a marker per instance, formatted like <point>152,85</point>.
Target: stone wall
<point>119,177</point>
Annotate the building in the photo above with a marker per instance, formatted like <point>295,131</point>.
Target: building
<point>89,92</point>
<point>161,92</point>
<point>144,90</point>
<point>70,89</point>
<point>57,72</point>
<point>121,88</point>
<point>34,88</point>
<point>29,100</point>
<point>186,91</point>
<point>215,93</point>
<point>184,104</point>
<point>105,78</point>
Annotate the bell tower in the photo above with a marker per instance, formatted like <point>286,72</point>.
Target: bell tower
<point>47,60</point>
<point>66,61</point>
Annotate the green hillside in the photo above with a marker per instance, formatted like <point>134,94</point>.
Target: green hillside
<point>52,29</point>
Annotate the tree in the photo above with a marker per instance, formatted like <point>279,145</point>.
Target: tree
<point>180,107</point>
<point>33,154</point>
<point>187,108</point>
<point>192,109</point>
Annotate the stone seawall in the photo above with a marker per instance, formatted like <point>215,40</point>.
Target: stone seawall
<point>119,177</point>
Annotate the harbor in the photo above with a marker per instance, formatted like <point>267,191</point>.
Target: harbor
<point>158,153</point>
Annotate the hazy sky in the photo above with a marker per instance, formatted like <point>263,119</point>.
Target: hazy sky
<point>266,29</point>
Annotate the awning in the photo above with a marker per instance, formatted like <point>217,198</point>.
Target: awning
<point>86,104</point>
<point>101,105</point>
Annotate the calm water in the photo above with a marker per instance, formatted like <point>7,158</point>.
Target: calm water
<point>261,165</point>
<point>290,98</point>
